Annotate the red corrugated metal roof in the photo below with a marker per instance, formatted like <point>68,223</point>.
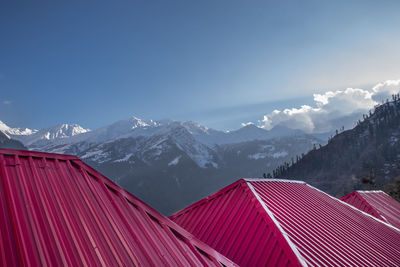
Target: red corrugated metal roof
<point>271,222</point>
<point>56,210</point>
<point>376,203</point>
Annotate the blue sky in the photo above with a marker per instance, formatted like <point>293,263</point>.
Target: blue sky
<point>216,62</point>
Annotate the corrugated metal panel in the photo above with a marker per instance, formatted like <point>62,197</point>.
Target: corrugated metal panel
<point>55,210</point>
<point>325,230</point>
<point>318,229</point>
<point>376,203</point>
<point>357,201</point>
<point>234,222</point>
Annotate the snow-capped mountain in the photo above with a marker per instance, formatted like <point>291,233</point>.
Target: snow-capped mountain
<point>132,127</point>
<point>198,142</point>
<point>171,163</point>
<point>36,139</point>
<point>15,131</point>
<point>149,139</point>
<point>146,146</point>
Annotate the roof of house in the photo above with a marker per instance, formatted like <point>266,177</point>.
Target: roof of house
<point>284,222</point>
<point>377,203</point>
<point>56,210</point>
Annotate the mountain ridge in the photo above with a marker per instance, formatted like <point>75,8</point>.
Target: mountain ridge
<point>170,164</point>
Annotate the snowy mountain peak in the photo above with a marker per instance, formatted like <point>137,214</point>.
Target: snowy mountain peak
<point>63,131</point>
<point>15,131</point>
<point>251,127</point>
<point>194,127</point>
<point>138,123</point>
<point>46,135</point>
<point>3,126</point>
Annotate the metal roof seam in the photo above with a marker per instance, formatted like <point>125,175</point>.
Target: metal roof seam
<point>125,203</point>
<point>285,236</point>
<point>15,222</point>
<point>124,242</point>
<point>48,212</point>
<point>109,240</point>
<point>363,212</point>
<point>33,218</point>
<point>72,227</point>
<point>216,219</point>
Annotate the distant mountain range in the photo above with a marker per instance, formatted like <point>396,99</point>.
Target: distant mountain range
<point>170,164</point>
<point>365,157</point>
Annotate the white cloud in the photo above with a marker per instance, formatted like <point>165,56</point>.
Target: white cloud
<point>6,102</point>
<point>385,90</point>
<point>332,110</point>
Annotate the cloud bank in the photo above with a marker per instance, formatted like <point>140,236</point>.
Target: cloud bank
<point>332,110</point>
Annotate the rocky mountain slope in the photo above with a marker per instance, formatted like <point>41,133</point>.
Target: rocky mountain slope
<point>7,142</point>
<point>170,174</point>
<point>366,157</point>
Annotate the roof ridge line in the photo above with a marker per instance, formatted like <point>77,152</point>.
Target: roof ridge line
<point>273,180</point>
<point>294,248</point>
<point>351,206</point>
<point>370,191</point>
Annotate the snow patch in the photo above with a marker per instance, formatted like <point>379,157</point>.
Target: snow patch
<point>393,140</point>
<point>269,147</point>
<point>276,155</point>
<point>92,153</point>
<point>175,161</point>
<point>126,158</point>
<point>258,156</point>
<point>97,155</point>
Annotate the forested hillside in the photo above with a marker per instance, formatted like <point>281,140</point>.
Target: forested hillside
<point>365,157</point>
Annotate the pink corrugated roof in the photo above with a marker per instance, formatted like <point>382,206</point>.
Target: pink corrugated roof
<point>271,222</point>
<point>56,210</point>
<point>377,203</point>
